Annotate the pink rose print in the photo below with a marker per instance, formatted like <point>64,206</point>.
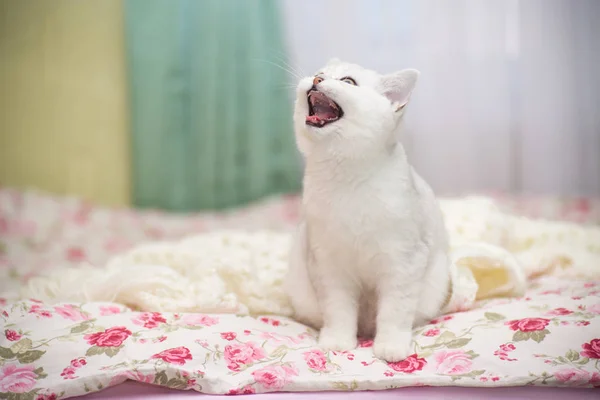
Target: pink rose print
<point>388,373</point>
<point>116,245</point>
<point>75,254</point>
<point>37,309</point>
<point>365,343</point>
<point>453,362</point>
<point>68,311</point>
<point>507,347</point>
<point>528,324</point>
<point>582,323</point>
<point>109,310</point>
<point>441,319</point>
<point>274,376</point>
<point>591,349</point>
<point>270,321</point>
<point>277,338</point>
<point>228,335</point>
<point>560,311</point>
<point>11,335</point>
<point>242,354</point>
<point>594,309</point>
<point>409,365</point>
<point>316,360</point>
<point>245,390</point>
<point>17,379</point>
<point>503,356</point>
<point>199,319</point>
<point>431,332</point>
<point>178,355</point>
<point>78,362</point>
<point>149,320</point>
<point>577,377</point>
<point>111,337</point>
<point>51,396</point>
<point>68,373</point>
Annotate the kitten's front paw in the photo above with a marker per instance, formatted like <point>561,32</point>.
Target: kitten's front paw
<point>393,348</point>
<point>336,341</point>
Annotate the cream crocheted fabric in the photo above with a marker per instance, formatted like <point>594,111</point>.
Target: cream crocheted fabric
<point>241,272</point>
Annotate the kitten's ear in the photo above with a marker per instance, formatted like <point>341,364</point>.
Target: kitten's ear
<point>398,86</point>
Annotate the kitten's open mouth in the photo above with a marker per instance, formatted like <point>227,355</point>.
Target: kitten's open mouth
<point>321,109</point>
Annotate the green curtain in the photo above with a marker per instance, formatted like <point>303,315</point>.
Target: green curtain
<point>211,113</point>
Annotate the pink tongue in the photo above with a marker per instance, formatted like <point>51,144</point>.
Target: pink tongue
<point>313,118</point>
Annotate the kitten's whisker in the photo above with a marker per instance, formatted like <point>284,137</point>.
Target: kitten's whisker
<point>295,75</point>
<point>281,58</point>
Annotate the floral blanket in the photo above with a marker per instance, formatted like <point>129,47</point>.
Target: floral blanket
<point>549,337</point>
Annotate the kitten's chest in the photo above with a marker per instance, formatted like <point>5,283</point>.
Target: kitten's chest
<point>354,224</point>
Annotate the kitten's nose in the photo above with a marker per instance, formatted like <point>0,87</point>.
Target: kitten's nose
<point>317,80</point>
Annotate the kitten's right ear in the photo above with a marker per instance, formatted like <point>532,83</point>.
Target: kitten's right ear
<point>397,87</point>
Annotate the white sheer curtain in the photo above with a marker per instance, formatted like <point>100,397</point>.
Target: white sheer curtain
<point>509,96</point>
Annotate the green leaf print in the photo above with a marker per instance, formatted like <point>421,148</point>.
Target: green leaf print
<point>82,327</point>
<point>6,353</point>
<point>492,316</point>
<point>94,351</point>
<point>458,343</point>
<point>21,346</point>
<point>112,351</point>
<point>538,336</point>
<point>343,386</point>
<point>175,383</point>
<point>521,336</point>
<point>445,337</point>
<point>279,351</point>
<point>40,373</point>
<point>583,361</point>
<point>572,355</point>
<point>475,373</point>
<point>20,396</point>
<point>161,378</point>
<point>30,356</point>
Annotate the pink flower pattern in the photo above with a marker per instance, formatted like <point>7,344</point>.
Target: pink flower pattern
<point>69,311</point>
<point>316,360</point>
<point>452,362</point>
<point>269,353</point>
<point>17,379</point>
<point>274,377</point>
<point>243,354</point>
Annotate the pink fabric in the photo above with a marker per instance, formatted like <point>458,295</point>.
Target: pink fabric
<point>136,391</point>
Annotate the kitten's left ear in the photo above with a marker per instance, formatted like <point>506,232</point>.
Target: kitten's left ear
<point>398,86</point>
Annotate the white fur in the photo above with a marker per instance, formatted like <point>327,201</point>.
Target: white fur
<point>370,257</point>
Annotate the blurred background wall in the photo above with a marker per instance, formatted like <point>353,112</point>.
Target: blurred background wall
<point>186,104</point>
<point>63,105</point>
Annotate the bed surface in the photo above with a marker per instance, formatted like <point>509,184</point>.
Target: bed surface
<point>136,391</point>
<point>551,338</point>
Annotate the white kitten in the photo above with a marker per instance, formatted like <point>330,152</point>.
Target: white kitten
<point>370,257</point>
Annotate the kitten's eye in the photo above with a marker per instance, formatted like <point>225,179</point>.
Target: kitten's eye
<point>349,81</point>
<point>317,80</point>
